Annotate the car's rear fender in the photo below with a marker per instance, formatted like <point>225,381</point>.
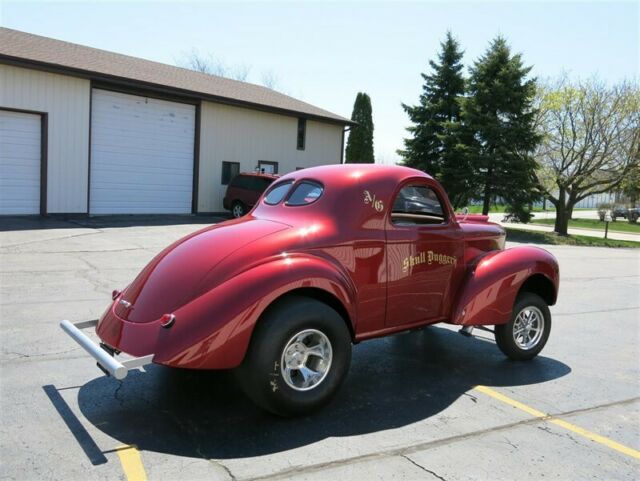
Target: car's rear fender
<point>218,325</point>
<point>487,295</point>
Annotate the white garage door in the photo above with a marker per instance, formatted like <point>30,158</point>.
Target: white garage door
<point>141,155</point>
<point>19,163</point>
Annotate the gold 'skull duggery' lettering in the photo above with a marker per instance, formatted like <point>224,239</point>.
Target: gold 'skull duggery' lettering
<point>428,257</point>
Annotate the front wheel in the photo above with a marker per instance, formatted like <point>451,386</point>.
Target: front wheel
<point>524,336</point>
<point>298,357</point>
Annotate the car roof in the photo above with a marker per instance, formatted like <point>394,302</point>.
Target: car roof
<point>346,174</point>
<point>261,174</point>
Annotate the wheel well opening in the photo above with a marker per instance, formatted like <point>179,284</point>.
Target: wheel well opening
<point>324,297</point>
<point>539,284</point>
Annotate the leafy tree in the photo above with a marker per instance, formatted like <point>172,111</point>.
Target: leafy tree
<point>499,116</point>
<point>437,144</point>
<point>590,141</point>
<point>360,142</point>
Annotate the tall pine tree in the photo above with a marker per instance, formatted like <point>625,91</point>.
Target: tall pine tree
<point>360,142</point>
<point>437,144</point>
<point>499,117</point>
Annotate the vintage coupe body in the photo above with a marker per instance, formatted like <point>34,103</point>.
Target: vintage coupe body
<point>329,256</point>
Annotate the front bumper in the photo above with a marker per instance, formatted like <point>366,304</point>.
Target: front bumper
<point>108,363</point>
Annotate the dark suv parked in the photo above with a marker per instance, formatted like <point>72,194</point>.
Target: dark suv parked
<point>618,211</point>
<point>244,190</point>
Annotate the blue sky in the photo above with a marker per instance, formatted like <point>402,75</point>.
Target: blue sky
<point>325,52</point>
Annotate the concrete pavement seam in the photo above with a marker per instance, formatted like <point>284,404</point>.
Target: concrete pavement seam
<point>424,446</point>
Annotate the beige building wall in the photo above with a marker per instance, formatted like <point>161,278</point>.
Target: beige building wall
<point>66,100</point>
<point>234,134</point>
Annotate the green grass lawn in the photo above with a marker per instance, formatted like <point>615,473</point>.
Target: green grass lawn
<point>621,225</point>
<point>477,209</point>
<point>531,237</point>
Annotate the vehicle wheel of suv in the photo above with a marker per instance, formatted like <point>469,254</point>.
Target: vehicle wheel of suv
<point>524,336</point>
<point>298,357</point>
<point>238,209</point>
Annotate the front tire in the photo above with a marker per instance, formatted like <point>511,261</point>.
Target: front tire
<point>298,357</point>
<point>524,336</point>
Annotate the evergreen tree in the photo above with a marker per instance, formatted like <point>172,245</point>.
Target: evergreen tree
<point>360,143</point>
<point>437,143</point>
<point>499,117</point>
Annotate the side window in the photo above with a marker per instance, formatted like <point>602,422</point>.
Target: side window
<point>229,171</point>
<point>417,204</point>
<point>277,193</point>
<point>306,192</point>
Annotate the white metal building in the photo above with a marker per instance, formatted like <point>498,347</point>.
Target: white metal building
<point>86,131</point>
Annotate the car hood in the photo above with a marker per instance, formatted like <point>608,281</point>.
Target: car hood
<point>172,278</point>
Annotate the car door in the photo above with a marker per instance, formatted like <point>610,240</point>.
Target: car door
<point>424,254</point>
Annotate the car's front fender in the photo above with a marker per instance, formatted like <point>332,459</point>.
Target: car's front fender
<point>489,290</point>
<point>213,331</point>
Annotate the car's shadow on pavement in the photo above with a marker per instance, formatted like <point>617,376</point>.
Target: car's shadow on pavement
<point>393,382</point>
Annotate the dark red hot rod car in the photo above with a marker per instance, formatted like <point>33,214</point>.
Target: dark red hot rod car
<point>330,256</point>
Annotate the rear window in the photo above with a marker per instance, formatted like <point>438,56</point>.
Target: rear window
<point>251,182</point>
<point>241,181</point>
<point>259,184</point>
<point>277,193</point>
<point>306,192</point>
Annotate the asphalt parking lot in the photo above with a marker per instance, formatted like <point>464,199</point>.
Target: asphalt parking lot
<point>429,404</point>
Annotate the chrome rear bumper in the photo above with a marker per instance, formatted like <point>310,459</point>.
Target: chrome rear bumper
<point>113,367</point>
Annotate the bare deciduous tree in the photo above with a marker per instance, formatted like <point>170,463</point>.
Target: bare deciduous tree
<point>205,63</point>
<point>209,64</point>
<point>591,137</point>
<point>270,80</point>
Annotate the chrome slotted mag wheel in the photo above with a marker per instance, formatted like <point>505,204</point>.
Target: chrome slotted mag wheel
<point>528,327</point>
<point>306,359</point>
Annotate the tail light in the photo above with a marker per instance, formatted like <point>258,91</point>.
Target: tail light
<point>167,320</point>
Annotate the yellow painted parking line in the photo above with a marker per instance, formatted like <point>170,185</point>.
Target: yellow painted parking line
<point>131,463</point>
<point>511,402</point>
<point>634,453</point>
<point>559,422</point>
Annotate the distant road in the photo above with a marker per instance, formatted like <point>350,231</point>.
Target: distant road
<point>579,214</point>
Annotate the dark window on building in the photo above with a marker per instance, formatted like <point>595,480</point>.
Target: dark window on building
<point>417,204</point>
<point>302,133</point>
<point>229,171</point>
<point>300,168</point>
<point>306,192</point>
<point>267,167</point>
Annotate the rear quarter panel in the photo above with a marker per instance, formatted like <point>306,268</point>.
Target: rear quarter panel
<point>219,324</point>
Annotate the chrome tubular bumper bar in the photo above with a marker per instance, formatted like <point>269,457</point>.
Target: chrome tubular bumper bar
<point>115,368</point>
